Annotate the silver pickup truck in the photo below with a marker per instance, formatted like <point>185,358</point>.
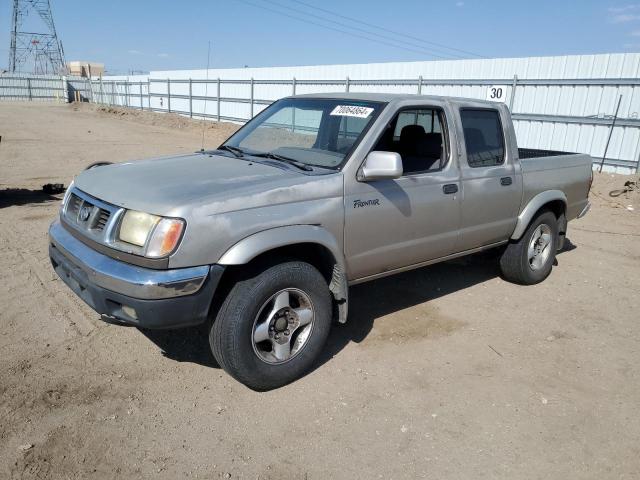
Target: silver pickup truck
<point>262,237</point>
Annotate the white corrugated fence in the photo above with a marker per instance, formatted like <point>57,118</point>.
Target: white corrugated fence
<point>562,103</point>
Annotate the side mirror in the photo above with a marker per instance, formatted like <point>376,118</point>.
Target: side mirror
<point>382,165</point>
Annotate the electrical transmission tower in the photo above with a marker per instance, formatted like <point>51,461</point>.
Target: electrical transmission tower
<point>40,52</point>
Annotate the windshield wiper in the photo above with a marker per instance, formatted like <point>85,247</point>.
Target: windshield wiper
<point>238,152</point>
<point>281,158</point>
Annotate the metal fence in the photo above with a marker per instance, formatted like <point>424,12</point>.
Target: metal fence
<point>44,88</point>
<point>33,88</point>
<point>569,128</point>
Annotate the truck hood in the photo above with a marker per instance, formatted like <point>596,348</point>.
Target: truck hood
<point>174,186</point>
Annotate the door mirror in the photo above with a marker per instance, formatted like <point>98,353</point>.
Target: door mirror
<point>382,165</point>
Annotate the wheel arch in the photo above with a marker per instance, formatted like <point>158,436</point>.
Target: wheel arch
<point>554,200</point>
<point>310,243</point>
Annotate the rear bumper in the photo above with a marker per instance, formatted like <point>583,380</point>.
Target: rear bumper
<point>127,294</point>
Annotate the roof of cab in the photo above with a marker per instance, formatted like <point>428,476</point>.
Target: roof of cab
<point>385,97</point>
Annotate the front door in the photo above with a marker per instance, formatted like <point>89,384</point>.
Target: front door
<point>390,224</point>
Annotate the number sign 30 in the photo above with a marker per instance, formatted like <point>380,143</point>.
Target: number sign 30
<point>496,93</point>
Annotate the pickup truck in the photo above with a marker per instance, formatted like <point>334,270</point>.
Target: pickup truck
<point>261,238</point>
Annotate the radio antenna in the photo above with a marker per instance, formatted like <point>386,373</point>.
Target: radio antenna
<point>206,91</point>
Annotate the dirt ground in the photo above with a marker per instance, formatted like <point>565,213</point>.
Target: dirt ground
<point>445,372</point>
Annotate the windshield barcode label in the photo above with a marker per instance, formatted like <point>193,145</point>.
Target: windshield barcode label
<point>352,111</point>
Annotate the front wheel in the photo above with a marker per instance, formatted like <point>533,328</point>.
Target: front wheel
<point>272,327</point>
<point>529,260</point>
<point>97,164</point>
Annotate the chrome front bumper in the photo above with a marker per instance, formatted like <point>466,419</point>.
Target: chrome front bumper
<point>124,278</point>
<point>132,295</point>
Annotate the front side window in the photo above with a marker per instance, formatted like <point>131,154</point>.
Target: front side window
<point>417,135</point>
<point>483,137</point>
<point>316,132</point>
<point>428,119</point>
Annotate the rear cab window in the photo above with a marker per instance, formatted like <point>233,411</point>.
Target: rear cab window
<point>483,137</point>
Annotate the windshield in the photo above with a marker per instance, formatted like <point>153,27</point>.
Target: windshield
<point>309,131</point>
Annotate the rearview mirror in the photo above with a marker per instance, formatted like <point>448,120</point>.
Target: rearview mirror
<point>382,165</point>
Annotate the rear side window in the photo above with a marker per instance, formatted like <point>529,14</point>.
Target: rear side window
<point>483,137</point>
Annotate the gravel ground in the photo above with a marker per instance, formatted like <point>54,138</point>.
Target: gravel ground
<point>443,372</point>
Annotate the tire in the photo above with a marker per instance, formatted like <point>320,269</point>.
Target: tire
<point>296,290</point>
<point>97,164</point>
<point>516,263</point>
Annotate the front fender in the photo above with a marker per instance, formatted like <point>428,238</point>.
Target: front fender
<point>250,247</point>
<point>527,214</point>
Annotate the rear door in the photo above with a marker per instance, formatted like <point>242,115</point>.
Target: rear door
<point>390,224</point>
<point>491,188</point>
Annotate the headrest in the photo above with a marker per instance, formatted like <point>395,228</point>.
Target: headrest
<point>431,145</point>
<point>411,133</point>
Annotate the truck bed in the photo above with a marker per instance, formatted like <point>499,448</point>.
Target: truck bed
<point>526,153</point>
<point>544,170</point>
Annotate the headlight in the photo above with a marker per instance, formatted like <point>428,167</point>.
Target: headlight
<point>136,227</point>
<point>157,236</point>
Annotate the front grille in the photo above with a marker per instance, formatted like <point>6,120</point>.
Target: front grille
<point>101,219</point>
<point>82,212</point>
<point>90,216</point>
<point>73,207</point>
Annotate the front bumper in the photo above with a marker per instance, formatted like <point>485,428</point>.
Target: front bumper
<point>128,294</point>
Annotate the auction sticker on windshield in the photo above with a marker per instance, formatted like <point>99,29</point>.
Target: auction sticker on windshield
<point>352,111</point>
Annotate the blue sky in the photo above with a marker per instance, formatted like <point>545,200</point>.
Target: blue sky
<point>171,34</point>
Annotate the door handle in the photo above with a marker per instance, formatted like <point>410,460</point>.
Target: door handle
<point>450,188</point>
<point>504,181</point>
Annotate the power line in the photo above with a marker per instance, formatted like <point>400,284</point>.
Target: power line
<point>386,29</point>
<point>423,52</point>
<point>368,31</point>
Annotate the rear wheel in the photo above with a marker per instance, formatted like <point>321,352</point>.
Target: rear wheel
<point>272,326</point>
<point>529,260</point>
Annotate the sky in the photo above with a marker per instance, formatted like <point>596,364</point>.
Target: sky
<point>170,34</point>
